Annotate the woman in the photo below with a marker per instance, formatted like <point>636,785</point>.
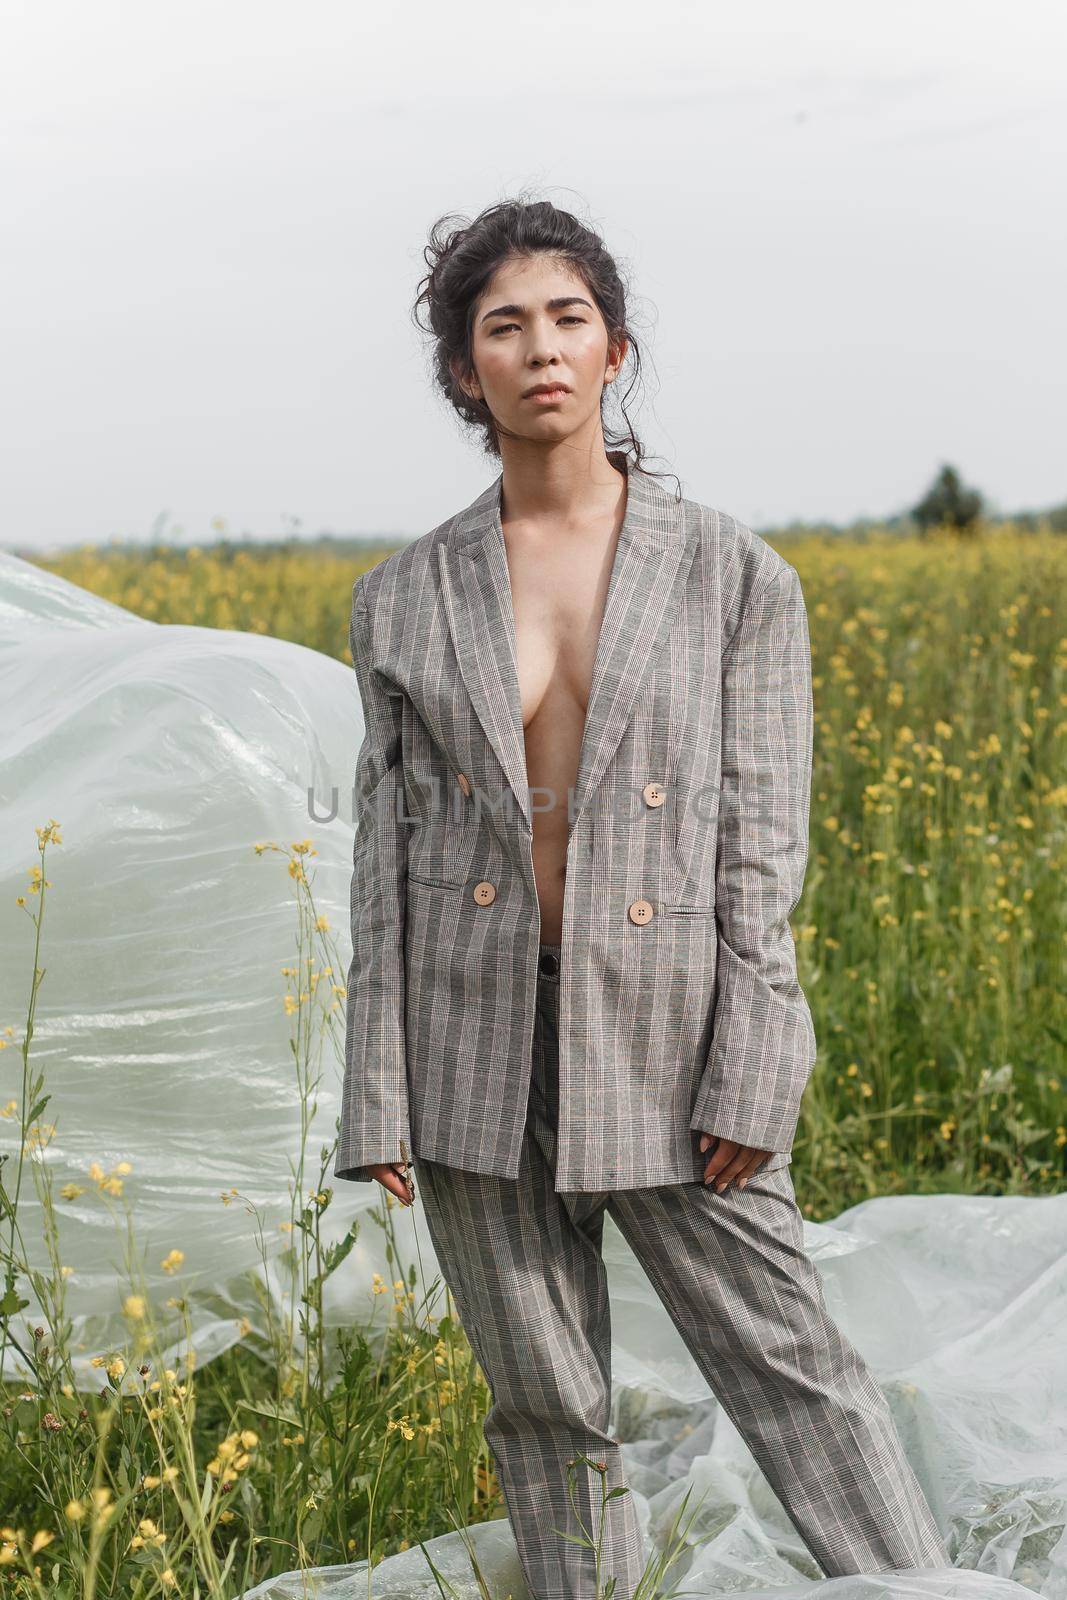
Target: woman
<point>583,808</point>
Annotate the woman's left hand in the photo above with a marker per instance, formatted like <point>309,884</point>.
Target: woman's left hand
<point>732,1162</point>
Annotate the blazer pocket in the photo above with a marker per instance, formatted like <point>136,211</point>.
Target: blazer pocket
<point>441,851</point>
<point>436,883</point>
<point>680,909</point>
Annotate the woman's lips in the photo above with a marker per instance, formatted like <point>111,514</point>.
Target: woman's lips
<point>550,396</point>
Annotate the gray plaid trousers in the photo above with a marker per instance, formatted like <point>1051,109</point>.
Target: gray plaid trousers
<point>524,1265</point>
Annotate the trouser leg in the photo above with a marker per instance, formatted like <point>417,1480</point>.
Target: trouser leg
<point>525,1270</point>
<point>746,1298</point>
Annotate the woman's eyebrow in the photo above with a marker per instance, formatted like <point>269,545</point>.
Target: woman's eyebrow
<point>550,305</point>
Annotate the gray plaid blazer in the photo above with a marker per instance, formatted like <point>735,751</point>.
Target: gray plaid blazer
<point>679,1005</point>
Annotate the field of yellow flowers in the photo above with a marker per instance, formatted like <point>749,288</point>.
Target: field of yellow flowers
<point>932,927</point>
<point>931,938</point>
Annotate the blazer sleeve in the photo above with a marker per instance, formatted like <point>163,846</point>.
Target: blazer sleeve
<point>374,1101</point>
<point>763,1046</point>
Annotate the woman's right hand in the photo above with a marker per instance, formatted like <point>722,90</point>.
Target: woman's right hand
<point>391,1176</point>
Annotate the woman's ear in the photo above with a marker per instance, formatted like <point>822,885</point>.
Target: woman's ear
<point>468,385</point>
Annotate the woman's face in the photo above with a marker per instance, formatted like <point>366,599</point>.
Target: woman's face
<point>537,323</point>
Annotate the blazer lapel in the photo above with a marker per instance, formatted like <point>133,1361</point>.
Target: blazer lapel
<point>477,595</point>
<point>645,588</point>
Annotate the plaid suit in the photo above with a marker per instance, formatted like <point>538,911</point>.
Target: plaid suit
<point>687,1020</point>
<point>540,1086</point>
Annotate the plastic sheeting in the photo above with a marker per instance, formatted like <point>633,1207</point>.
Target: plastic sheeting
<point>959,1303</point>
<point>167,753</point>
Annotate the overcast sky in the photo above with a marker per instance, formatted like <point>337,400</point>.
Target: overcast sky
<point>844,224</point>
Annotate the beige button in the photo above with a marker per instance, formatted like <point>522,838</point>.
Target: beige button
<point>654,794</point>
<point>464,783</point>
<point>485,893</point>
<point>640,911</point>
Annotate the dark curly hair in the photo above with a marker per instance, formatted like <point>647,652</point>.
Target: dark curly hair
<point>462,256</point>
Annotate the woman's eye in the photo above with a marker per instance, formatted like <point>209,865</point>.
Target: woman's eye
<point>504,326</point>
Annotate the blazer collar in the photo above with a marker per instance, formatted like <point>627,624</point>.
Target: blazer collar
<point>644,591</point>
